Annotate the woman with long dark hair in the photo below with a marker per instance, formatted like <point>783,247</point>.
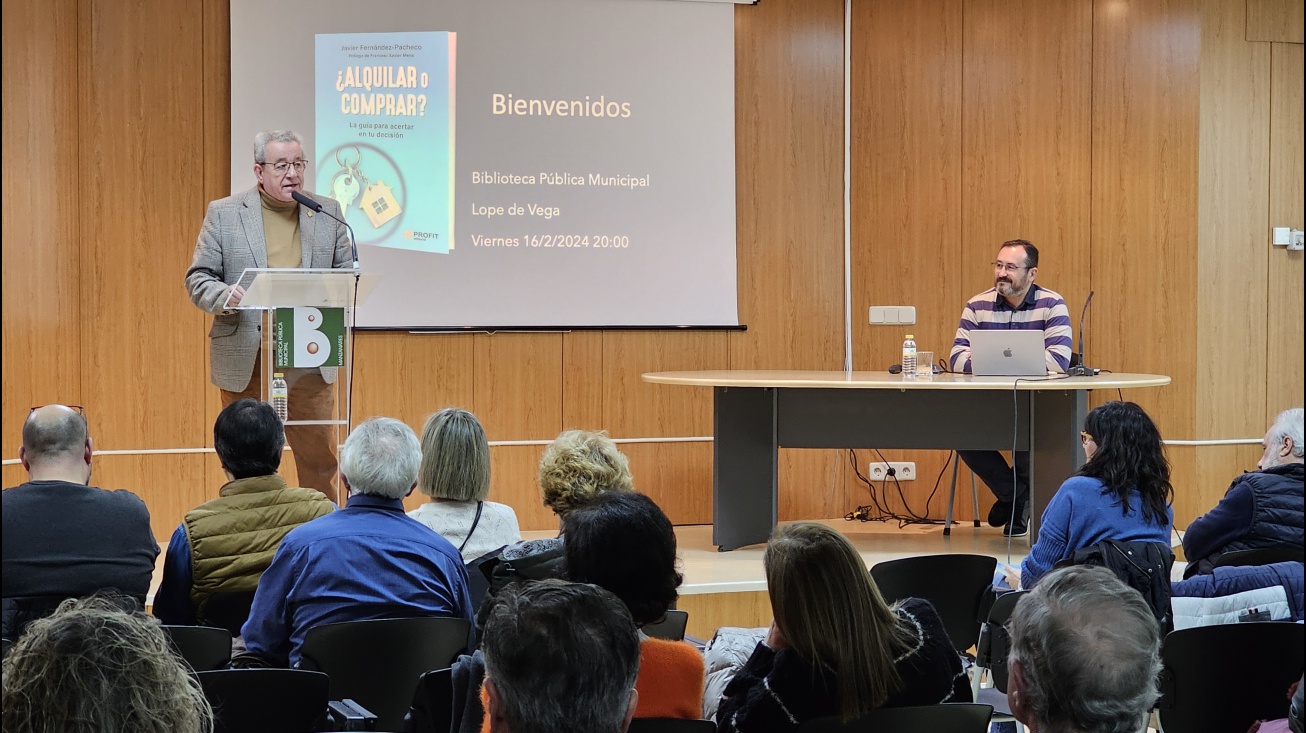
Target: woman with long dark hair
<point>1121,493</point>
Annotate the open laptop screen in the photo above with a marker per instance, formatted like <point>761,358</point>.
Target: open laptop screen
<point>1007,353</point>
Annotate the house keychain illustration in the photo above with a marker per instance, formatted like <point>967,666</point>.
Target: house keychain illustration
<point>379,203</point>
<point>346,183</point>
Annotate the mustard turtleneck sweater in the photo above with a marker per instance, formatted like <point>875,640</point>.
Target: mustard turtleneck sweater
<point>281,231</point>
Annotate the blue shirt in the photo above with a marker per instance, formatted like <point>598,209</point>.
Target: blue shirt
<point>172,604</point>
<point>1080,515</point>
<point>366,561</point>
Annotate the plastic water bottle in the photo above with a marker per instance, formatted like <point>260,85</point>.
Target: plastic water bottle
<point>909,358</point>
<point>280,396</point>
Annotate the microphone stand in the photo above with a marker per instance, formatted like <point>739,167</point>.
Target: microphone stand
<point>1080,370</point>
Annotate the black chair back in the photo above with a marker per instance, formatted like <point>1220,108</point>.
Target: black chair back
<point>1260,556</point>
<point>671,628</point>
<point>228,611</point>
<point>378,662</point>
<point>266,700</point>
<point>671,725</point>
<point>948,718</point>
<point>1222,678</point>
<point>204,648</point>
<point>994,642</point>
<point>432,709</point>
<point>955,584</point>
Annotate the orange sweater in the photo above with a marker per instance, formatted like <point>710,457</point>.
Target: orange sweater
<point>670,682</point>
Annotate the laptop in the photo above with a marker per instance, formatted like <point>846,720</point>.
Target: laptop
<point>1007,353</point>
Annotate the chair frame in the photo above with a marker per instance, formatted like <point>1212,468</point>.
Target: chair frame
<point>204,648</point>
<point>270,690</point>
<point>370,681</point>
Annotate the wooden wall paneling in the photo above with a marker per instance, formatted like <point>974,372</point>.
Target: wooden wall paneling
<point>409,376</point>
<point>907,115</point>
<point>1026,140</point>
<point>515,481</point>
<point>582,380</point>
<point>678,476</point>
<point>143,343</point>
<point>789,165</point>
<point>1285,274</point>
<point>1216,466</point>
<point>789,182</point>
<point>1144,218</point>
<point>170,485</point>
<point>42,284</point>
<point>813,484</point>
<point>216,101</point>
<point>633,408</point>
<point>1275,20</point>
<point>1231,235</point>
<point>518,384</point>
<point>906,174</point>
<point>214,154</point>
<point>710,611</point>
<point>1189,492</point>
<point>13,474</point>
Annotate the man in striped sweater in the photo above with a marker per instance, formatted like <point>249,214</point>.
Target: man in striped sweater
<point>1014,302</point>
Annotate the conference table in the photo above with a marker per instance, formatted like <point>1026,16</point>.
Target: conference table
<point>755,413</point>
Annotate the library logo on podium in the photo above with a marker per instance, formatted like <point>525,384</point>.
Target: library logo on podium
<point>310,337</point>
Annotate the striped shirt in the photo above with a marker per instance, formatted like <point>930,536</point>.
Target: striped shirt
<point>1042,310</point>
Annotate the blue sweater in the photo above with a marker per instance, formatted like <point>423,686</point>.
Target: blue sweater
<point>1081,515</point>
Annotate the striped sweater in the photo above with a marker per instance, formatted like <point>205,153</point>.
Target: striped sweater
<point>1042,310</point>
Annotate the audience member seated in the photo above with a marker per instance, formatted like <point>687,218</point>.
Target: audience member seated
<point>560,658</point>
<point>91,667</point>
<point>1271,592</point>
<point>64,538</point>
<point>835,647</point>
<point>366,561</point>
<point>577,466</point>
<point>1085,654</point>
<point>455,473</point>
<point>1121,493</point>
<point>1262,508</point>
<point>624,543</point>
<point>224,545</point>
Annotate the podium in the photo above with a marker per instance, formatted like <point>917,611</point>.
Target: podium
<point>307,325</point>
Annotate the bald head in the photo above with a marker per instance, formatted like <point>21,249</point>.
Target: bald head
<point>54,435</point>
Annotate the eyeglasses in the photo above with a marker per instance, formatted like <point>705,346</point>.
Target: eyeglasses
<point>1085,437</point>
<point>80,410</point>
<point>281,167</point>
<point>1004,267</point>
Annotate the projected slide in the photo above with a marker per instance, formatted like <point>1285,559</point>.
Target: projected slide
<point>510,163</point>
<point>384,140</point>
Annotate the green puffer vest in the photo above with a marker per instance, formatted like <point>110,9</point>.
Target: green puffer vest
<point>233,537</point>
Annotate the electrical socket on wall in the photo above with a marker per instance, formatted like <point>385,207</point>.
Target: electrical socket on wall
<point>884,315</point>
<point>902,470</point>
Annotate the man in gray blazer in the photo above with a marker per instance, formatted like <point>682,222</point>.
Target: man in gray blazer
<point>265,227</point>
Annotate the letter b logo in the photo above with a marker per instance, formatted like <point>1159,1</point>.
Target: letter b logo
<point>311,346</point>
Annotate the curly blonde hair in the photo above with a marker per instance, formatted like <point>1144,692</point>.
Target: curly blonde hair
<point>579,464</point>
<point>91,667</point>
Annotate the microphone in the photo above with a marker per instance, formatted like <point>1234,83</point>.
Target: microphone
<point>316,207</point>
<point>1078,369</point>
